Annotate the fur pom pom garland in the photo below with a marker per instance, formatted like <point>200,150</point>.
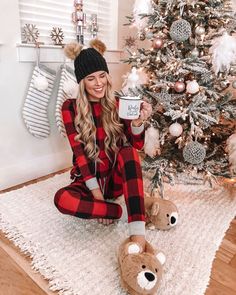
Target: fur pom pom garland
<point>152,142</point>
<point>134,79</point>
<point>223,52</point>
<point>141,7</point>
<point>231,150</point>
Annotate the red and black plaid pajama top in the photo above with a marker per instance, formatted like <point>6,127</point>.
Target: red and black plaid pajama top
<point>121,176</point>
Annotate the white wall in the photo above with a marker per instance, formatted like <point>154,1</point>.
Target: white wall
<point>23,157</point>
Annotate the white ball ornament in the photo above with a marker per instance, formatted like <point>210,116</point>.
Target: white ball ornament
<point>41,83</point>
<point>70,88</point>
<point>200,30</point>
<point>176,129</point>
<point>192,87</point>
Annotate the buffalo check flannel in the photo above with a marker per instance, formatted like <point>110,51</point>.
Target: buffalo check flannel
<point>122,176</point>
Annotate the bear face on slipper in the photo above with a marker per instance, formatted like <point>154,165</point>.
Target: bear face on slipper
<point>140,271</point>
<point>160,213</point>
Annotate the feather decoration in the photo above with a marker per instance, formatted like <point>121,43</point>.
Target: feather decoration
<point>223,52</point>
<point>152,142</point>
<point>141,7</point>
<point>134,79</point>
<point>231,150</point>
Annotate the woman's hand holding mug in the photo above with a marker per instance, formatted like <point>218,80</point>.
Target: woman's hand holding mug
<point>145,113</point>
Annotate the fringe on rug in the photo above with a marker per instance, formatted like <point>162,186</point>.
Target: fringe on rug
<point>39,260</point>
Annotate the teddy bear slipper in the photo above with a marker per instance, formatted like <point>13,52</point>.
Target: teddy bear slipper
<point>159,213</point>
<point>140,271</point>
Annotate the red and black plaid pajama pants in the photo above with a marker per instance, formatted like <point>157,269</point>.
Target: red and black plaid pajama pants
<point>125,178</point>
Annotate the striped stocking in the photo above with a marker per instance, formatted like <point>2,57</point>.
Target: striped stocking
<point>67,89</point>
<point>37,100</point>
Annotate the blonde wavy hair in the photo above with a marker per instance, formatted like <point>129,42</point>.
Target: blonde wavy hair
<point>86,128</point>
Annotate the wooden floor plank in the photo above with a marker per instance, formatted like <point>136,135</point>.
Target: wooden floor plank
<point>224,273</point>
<point>24,263</point>
<point>233,262</point>
<point>216,288</point>
<point>229,246</point>
<point>14,281</point>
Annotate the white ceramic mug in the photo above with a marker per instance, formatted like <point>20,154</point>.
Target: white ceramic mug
<point>129,107</point>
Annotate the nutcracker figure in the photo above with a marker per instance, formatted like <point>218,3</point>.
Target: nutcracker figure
<point>94,26</point>
<point>79,18</point>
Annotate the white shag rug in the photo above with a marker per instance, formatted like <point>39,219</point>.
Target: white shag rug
<point>78,257</point>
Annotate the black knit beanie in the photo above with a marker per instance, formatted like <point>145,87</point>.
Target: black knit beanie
<point>87,62</point>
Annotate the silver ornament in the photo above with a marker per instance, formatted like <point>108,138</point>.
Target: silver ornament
<point>194,52</point>
<point>194,153</point>
<point>180,30</point>
<point>234,84</point>
<point>200,31</point>
<point>232,70</point>
<point>149,35</point>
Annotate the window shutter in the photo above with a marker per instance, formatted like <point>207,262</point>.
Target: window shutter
<point>46,14</point>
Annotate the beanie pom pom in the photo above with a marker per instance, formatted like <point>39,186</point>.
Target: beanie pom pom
<point>72,50</point>
<point>98,45</point>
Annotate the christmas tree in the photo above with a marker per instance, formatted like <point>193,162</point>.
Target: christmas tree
<point>190,67</point>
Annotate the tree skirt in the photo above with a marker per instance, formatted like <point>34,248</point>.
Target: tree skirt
<point>78,257</point>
